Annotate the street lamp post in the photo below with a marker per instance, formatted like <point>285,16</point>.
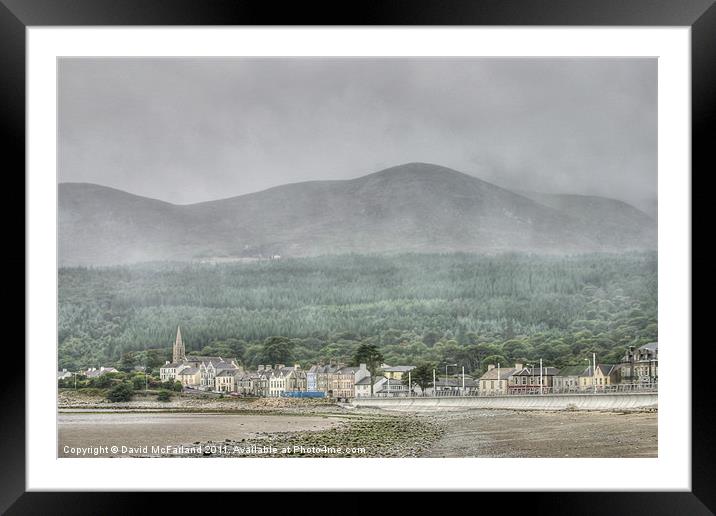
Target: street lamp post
<point>435,392</point>
<point>594,371</point>
<point>446,373</point>
<point>587,360</point>
<point>532,378</point>
<point>540,376</point>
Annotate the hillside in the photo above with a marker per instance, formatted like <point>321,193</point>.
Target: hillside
<point>417,207</point>
<point>444,308</point>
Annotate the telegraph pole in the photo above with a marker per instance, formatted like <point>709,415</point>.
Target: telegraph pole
<point>540,376</point>
<point>410,385</point>
<point>434,387</point>
<point>463,380</point>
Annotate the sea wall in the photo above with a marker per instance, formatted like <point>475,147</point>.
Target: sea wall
<point>611,401</point>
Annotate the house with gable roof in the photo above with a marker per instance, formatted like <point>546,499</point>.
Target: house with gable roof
<point>224,380</point>
<point>641,365</point>
<point>362,387</point>
<point>209,367</point>
<point>170,370</point>
<point>322,378</point>
<point>603,375</point>
<point>528,380</point>
<point>567,379</point>
<point>343,381</point>
<point>284,379</point>
<point>496,379</point>
<point>93,372</point>
<point>189,377</point>
<point>251,383</point>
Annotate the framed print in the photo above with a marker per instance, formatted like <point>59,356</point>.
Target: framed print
<point>419,239</point>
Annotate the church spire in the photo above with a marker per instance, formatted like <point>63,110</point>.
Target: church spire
<point>179,353</point>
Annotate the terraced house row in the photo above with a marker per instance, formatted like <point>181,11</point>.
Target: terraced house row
<point>639,366</point>
<point>227,375</point>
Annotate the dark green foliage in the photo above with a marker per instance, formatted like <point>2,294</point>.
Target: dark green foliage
<point>164,395</point>
<point>139,382</point>
<point>100,382</point>
<point>370,355</point>
<point>494,360</point>
<point>170,385</point>
<point>127,362</point>
<point>121,392</point>
<point>422,375</point>
<point>456,308</point>
<point>276,350</point>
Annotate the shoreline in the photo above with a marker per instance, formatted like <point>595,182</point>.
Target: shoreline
<point>310,428</point>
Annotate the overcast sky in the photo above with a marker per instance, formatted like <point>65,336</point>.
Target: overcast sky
<point>190,130</point>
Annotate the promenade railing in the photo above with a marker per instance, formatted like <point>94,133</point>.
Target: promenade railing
<point>520,390</point>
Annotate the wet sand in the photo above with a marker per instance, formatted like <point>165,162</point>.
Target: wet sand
<point>498,433</point>
<point>136,430</point>
<point>90,421</point>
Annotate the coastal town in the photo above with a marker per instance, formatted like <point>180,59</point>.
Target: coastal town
<point>638,370</point>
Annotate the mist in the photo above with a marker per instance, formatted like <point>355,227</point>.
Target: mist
<point>196,129</point>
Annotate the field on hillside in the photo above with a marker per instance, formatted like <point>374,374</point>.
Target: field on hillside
<point>456,308</point>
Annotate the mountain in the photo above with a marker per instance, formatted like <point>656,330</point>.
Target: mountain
<point>605,219</point>
<point>416,207</point>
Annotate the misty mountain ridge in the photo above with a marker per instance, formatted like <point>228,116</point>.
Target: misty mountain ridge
<point>416,207</point>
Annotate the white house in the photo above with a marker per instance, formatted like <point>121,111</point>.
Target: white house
<point>170,370</point>
<point>362,387</point>
<point>388,387</point>
<point>93,372</point>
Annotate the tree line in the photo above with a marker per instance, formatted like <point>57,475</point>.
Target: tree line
<point>456,308</point>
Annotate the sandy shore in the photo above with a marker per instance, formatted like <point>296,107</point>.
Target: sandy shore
<point>320,428</point>
<point>130,432</point>
<point>502,433</point>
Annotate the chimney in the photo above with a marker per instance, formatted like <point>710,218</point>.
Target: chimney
<point>280,366</point>
<point>297,366</point>
<point>490,367</point>
<point>260,367</point>
<point>363,367</point>
<point>518,366</point>
<point>166,362</point>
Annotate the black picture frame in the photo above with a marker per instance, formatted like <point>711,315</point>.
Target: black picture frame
<point>17,15</point>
